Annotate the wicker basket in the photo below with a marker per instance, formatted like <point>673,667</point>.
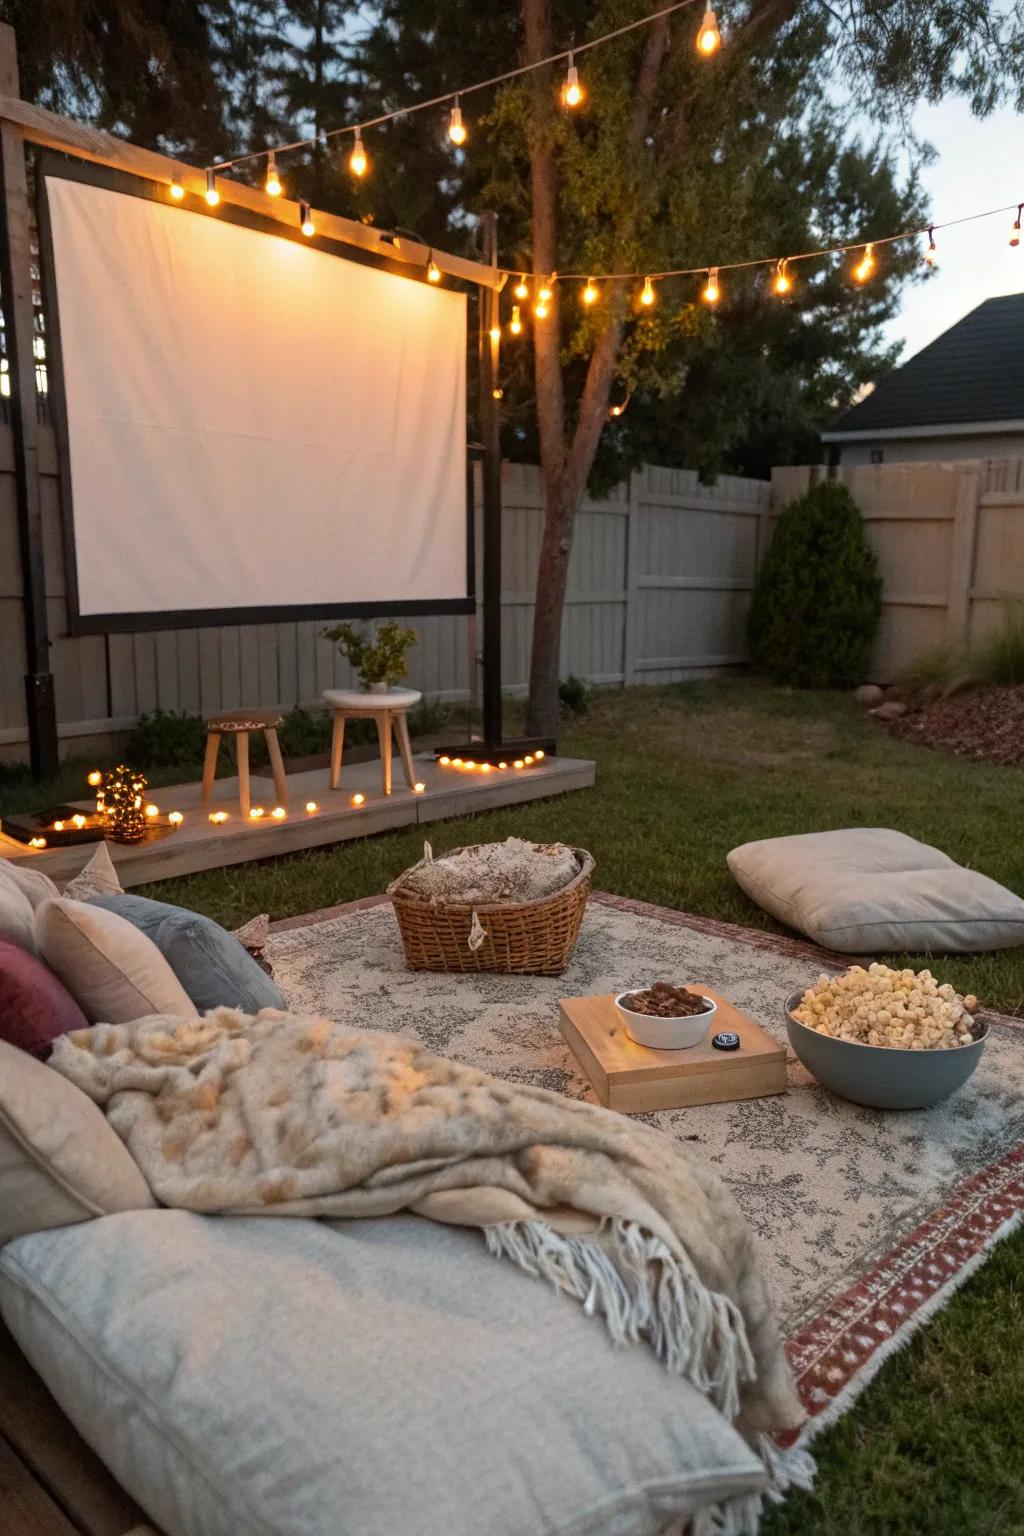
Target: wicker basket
<point>533,937</point>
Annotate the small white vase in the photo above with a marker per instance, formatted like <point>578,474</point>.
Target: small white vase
<point>379,688</point>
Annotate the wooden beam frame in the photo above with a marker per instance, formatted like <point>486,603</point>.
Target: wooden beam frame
<point>16,285</point>
<point>37,125</point>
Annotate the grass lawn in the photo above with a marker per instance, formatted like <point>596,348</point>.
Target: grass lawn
<point>936,1445</point>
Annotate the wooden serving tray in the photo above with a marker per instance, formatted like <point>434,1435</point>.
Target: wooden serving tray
<point>633,1078</point>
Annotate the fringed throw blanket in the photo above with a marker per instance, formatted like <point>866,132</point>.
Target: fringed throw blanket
<point>280,1115</point>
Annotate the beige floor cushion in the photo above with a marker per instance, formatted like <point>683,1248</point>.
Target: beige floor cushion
<point>60,1162</point>
<point>16,912</point>
<point>114,972</point>
<point>868,890</point>
<point>250,1376</point>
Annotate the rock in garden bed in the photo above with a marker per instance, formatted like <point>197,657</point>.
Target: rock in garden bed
<point>984,723</point>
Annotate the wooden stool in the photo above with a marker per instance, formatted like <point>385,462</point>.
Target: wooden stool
<point>238,723</point>
<point>389,710</point>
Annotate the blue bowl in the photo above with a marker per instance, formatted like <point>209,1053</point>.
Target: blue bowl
<point>882,1076</point>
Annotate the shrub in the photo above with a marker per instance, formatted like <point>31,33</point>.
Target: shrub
<point>1000,658</point>
<point>573,695</point>
<point>378,658</point>
<point>947,669</point>
<point>817,601</point>
<point>167,738</point>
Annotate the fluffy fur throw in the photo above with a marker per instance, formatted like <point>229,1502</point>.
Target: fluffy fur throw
<point>514,871</point>
<point>281,1115</point>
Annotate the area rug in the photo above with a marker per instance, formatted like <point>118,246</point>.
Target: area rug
<point>867,1220</point>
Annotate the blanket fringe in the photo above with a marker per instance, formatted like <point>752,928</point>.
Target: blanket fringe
<point>645,1291</point>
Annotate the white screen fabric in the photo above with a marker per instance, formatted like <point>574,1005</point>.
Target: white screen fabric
<point>252,423</point>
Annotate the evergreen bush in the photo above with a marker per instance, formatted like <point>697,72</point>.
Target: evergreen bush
<point>817,601</point>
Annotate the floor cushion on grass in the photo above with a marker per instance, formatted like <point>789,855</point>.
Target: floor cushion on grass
<point>60,1162</point>
<point>34,1006</point>
<point>114,972</point>
<point>869,890</point>
<point>258,1377</point>
<point>211,964</point>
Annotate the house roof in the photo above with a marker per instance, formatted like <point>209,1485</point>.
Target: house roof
<point>973,374</point>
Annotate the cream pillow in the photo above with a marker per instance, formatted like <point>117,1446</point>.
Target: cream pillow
<point>16,915</point>
<point>60,1162</point>
<point>869,890</point>
<point>112,970</point>
<point>31,882</point>
<point>97,877</point>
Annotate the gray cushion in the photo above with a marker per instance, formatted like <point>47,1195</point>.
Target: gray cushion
<point>259,1376</point>
<point>212,966</point>
<point>869,890</point>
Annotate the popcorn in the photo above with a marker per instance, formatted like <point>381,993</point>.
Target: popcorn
<point>878,1006</point>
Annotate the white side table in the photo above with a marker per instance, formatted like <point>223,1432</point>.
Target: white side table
<point>389,710</point>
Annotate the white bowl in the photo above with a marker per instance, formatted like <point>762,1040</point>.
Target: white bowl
<point>665,1034</point>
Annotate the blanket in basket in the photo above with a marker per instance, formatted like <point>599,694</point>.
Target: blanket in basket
<point>282,1115</point>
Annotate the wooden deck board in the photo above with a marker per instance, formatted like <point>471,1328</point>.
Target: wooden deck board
<point>51,1482</point>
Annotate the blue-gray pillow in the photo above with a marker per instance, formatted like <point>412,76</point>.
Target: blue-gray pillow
<point>210,963</point>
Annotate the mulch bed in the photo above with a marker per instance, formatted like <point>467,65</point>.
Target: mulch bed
<point>984,723</point>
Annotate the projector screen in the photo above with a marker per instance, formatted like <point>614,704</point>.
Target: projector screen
<point>251,423</point>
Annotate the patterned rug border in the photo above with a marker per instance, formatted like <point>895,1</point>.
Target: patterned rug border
<point>839,1351</point>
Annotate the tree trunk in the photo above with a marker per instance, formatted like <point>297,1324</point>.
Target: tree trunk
<point>565,466</point>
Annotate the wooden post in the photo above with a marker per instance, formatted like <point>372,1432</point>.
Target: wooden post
<point>16,294</point>
<point>490,436</point>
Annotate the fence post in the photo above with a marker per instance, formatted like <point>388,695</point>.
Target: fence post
<point>631,616</point>
<point>961,565</point>
<point>16,293</point>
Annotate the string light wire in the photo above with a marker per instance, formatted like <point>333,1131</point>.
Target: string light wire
<point>466,90</point>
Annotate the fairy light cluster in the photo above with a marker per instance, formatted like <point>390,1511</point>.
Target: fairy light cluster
<point>470,765</point>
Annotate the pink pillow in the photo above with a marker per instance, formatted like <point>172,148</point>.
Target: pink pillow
<point>34,1006</point>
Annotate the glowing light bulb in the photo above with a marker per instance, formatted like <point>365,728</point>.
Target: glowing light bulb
<point>358,799</point>
<point>616,410</point>
<point>866,266</point>
<point>503,765</point>
<point>37,842</point>
<point>572,91</point>
<point>418,788</point>
<point>255,812</point>
<point>175,818</point>
<point>590,294</point>
<point>518,763</point>
<point>538,755</point>
<point>495,333</point>
<point>709,39</point>
<point>95,778</point>
<point>931,254</point>
<point>522,288</point>
<point>541,310</point>
<point>456,762</point>
<point>78,822</point>
<point>433,271</point>
<point>211,194</point>
<point>306,220</point>
<point>279,813</point>
<point>456,127</point>
<point>272,185</point>
<point>712,293</point>
<point>528,759</point>
<point>177,190</point>
<point>152,810</point>
<point>486,767</point>
<point>444,761</point>
<point>1015,226</point>
<point>544,293</point>
<point>470,763</point>
<point>783,282</point>
<point>58,826</point>
<point>218,817</point>
<point>311,807</point>
<point>515,325</point>
<point>647,292</point>
<point>357,161</point>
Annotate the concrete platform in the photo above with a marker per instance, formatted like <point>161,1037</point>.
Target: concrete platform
<point>201,844</point>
